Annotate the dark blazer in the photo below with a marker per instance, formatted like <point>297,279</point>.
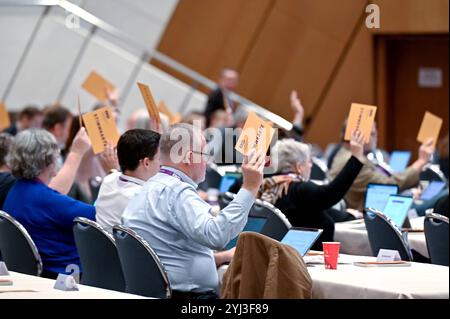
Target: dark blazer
<point>11,130</point>
<point>215,102</point>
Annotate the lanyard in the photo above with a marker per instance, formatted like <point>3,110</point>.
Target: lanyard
<point>170,173</point>
<point>128,181</point>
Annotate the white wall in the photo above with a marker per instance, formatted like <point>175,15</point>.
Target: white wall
<point>56,46</point>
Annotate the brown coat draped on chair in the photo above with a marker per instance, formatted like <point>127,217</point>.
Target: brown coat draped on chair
<point>265,268</point>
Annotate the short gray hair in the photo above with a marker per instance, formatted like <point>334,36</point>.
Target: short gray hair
<point>178,133</point>
<point>31,152</point>
<point>288,152</point>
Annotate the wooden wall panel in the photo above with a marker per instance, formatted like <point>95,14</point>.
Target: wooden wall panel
<point>208,35</point>
<point>353,83</point>
<point>298,47</point>
<point>413,16</point>
<point>280,45</point>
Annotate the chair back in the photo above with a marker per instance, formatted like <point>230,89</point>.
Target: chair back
<point>18,250</point>
<point>98,255</point>
<point>144,273</point>
<point>436,235</point>
<point>383,234</point>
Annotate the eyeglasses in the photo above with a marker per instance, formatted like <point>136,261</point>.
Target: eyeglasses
<point>207,157</point>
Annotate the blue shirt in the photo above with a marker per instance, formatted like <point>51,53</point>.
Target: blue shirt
<point>48,217</point>
<point>170,215</point>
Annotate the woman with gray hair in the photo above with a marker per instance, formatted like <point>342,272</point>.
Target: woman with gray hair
<point>46,214</point>
<point>303,202</point>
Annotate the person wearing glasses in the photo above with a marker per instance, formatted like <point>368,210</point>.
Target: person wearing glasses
<point>170,215</point>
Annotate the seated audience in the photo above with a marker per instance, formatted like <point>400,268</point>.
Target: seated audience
<point>29,117</point>
<point>90,166</point>
<point>178,224</point>
<point>57,120</point>
<point>46,214</point>
<point>373,174</point>
<point>303,202</point>
<point>219,99</point>
<point>195,118</point>
<point>138,154</point>
<point>7,180</point>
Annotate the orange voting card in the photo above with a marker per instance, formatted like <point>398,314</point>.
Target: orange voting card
<point>101,128</point>
<point>4,117</point>
<point>149,102</point>
<point>173,118</point>
<point>256,134</point>
<point>361,118</point>
<point>430,128</point>
<point>97,86</point>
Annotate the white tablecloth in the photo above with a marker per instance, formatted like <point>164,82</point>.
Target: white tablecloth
<point>350,282</point>
<point>32,287</point>
<point>354,240</point>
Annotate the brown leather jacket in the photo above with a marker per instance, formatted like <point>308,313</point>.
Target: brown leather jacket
<point>263,268</point>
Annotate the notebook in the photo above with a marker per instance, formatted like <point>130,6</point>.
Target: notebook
<point>377,195</point>
<point>382,263</point>
<point>399,160</point>
<point>254,224</point>
<point>397,208</point>
<point>432,190</point>
<point>301,239</point>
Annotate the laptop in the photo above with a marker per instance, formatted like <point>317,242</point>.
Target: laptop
<point>399,160</point>
<point>432,190</point>
<point>254,224</point>
<point>397,208</point>
<point>377,195</point>
<point>301,238</point>
<point>227,181</point>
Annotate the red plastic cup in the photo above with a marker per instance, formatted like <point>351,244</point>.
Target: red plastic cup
<point>331,254</point>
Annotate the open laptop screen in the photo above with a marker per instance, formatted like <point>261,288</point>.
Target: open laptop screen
<point>254,224</point>
<point>377,195</point>
<point>397,208</point>
<point>399,160</point>
<point>432,190</point>
<point>301,238</point>
<point>227,181</point>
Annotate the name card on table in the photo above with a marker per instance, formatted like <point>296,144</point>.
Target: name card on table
<point>3,269</point>
<point>101,128</point>
<point>256,134</point>
<point>65,283</point>
<point>97,85</point>
<point>388,255</point>
<point>430,128</point>
<point>152,109</point>
<point>4,117</point>
<point>361,117</point>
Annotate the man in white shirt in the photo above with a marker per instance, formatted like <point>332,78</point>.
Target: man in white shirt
<point>171,216</point>
<point>138,155</point>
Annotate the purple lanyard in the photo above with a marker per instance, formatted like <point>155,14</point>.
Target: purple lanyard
<point>170,173</point>
<point>128,181</point>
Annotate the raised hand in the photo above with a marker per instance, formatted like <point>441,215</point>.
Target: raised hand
<point>252,171</point>
<point>357,145</point>
<point>297,107</point>
<point>81,143</point>
<point>426,150</point>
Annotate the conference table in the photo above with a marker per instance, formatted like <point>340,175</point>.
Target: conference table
<point>32,287</point>
<point>355,241</point>
<point>417,281</point>
<point>423,281</point>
